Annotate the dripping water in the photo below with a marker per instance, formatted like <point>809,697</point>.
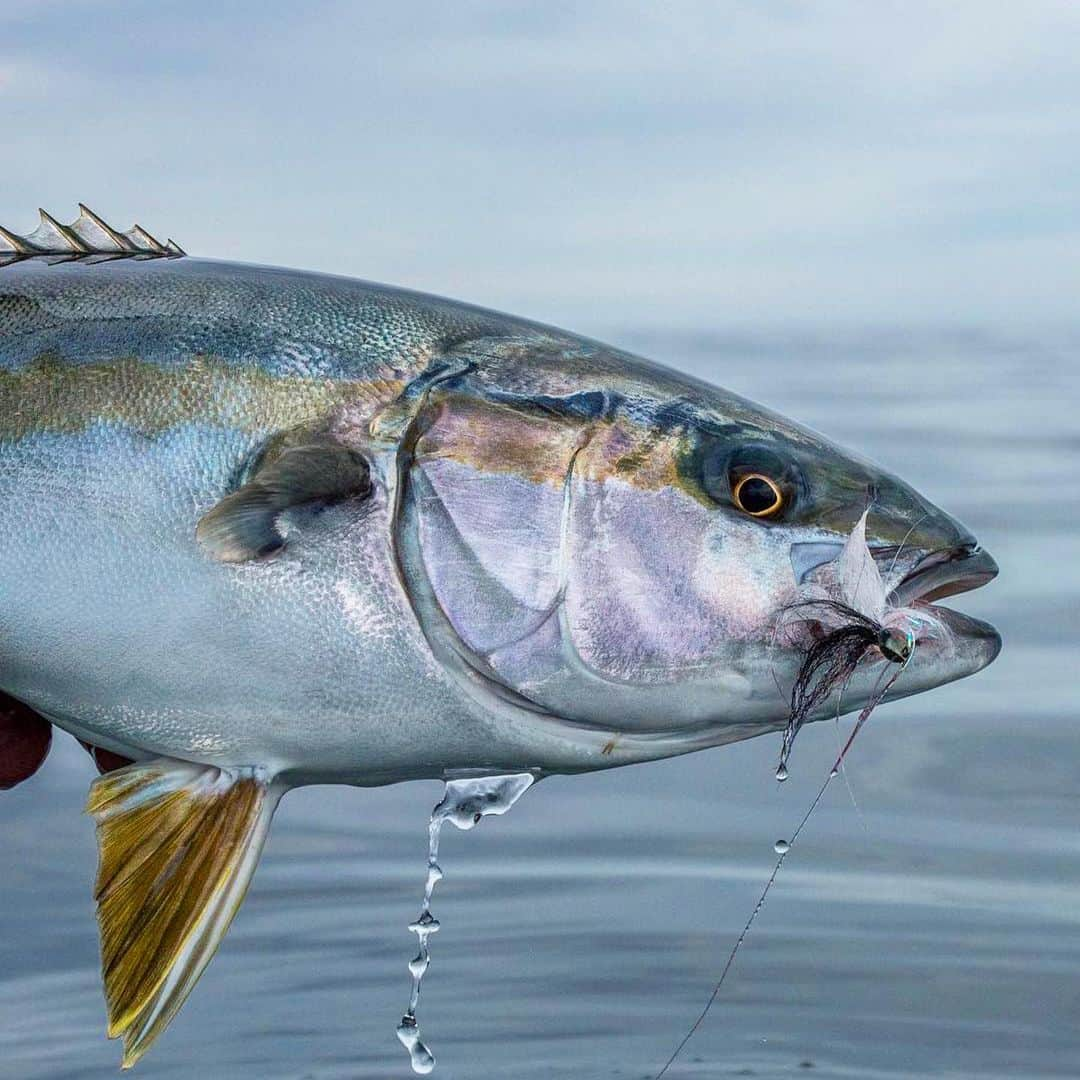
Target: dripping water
<point>464,803</point>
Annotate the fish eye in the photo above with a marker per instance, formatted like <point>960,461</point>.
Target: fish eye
<point>757,495</point>
<point>754,478</point>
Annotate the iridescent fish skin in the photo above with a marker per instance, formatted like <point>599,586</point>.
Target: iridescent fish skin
<point>544,569</point>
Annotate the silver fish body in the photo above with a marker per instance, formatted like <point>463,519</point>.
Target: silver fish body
<point>546,571</point>
<point>261,528</point>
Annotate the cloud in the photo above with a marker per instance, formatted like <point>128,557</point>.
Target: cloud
<point>699,164</point>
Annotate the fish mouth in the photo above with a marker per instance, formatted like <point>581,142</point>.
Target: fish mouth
<point>973,644</point>
<point>945,572</point>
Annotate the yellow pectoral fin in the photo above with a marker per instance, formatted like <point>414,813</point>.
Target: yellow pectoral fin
<point>177,846</point>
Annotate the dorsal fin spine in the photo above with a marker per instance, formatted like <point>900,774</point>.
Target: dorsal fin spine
<point>144,241</point>
<point>73,241</point>
<point>118,238</point>
<point>89,237</point>
<point>18,244</point>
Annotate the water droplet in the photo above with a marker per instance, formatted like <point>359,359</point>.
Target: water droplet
<point>464,803</point>
<point>781,772</point>
<point>781,847</point>
<point>426,924</point>
<point>467,801</point>
<point>420,1057</point>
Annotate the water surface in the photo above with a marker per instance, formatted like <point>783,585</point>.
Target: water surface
<point>932,932</point>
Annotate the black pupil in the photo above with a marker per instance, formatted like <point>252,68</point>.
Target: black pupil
<point>757,496</point>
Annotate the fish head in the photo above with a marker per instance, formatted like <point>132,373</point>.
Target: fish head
<point>822,523</point>
<point>623,547</point>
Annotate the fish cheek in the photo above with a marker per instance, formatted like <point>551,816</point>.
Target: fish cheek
<point>748,568</point>
<point>648,599</point>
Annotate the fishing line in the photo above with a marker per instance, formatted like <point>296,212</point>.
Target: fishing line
<point>875,700</point>
<point>907,536</point>
<point>843,767</point>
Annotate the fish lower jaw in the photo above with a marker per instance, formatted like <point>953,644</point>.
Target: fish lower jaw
<point>970,638</point>
<point>949,645</point>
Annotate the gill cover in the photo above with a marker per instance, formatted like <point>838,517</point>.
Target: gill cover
<point>551,548</point>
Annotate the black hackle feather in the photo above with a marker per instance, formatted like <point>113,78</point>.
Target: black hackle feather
<point>828,662</point>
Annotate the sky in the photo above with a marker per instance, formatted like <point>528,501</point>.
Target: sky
<point>680,165</point>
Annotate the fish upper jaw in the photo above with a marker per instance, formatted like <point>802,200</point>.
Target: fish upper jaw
<point>909,577</point>
<point>945,572</point>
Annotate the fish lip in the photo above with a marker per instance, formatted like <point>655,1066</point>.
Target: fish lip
<point>945,572</point>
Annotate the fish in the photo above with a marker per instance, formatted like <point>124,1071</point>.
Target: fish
<point>265,528</point>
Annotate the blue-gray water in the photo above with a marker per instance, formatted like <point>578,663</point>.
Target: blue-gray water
<point>933,932</point>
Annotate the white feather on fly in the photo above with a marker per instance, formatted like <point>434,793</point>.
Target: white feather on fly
<point>857,575</point>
